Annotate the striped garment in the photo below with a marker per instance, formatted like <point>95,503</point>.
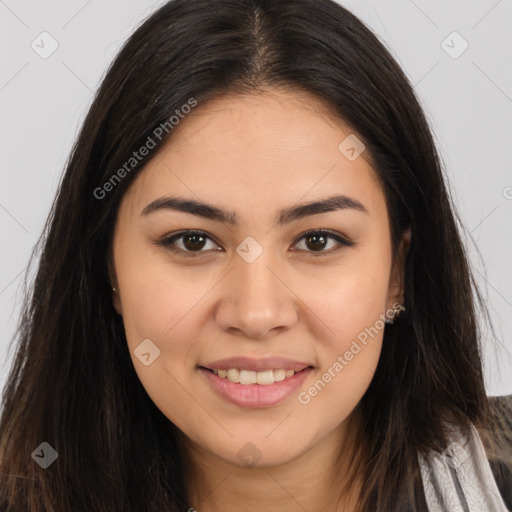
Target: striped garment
<point>461,479</point>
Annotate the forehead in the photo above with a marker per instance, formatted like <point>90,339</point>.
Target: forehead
<point>281,120</point>
<point>265,149</point>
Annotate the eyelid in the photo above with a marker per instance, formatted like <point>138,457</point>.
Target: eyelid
<point>168,241</point>
<point>342,240</point>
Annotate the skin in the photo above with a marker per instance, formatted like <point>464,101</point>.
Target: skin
<point>255,155</point>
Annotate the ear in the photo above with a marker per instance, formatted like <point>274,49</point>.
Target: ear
<point>397,279</point>
<point>116,300</point>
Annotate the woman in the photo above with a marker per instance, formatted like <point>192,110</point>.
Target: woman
<point>252,292</point>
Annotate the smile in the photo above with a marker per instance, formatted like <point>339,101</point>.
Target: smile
<point>251,377</point>
<point>253,389</point>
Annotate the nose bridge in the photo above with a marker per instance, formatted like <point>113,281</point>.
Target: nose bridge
<point>257,301</point>
<point>256,281</point>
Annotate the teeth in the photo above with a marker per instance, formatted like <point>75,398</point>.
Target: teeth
<point>264,378</point>
<point>233,375</point>
<point>279,375</point>
<point>249,377</point>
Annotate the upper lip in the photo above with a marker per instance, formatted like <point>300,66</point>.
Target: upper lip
<point>252,364</point>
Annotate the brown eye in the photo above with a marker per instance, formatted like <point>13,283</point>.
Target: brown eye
<point>192,242</point>
<point>317,241</point>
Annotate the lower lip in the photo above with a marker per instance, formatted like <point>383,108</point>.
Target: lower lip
<point>256,395</point>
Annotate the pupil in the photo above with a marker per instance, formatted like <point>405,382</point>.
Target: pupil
<point>317,237</point>
<point>193,245</point>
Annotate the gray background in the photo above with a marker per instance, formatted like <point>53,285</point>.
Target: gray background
<point>467,99</point>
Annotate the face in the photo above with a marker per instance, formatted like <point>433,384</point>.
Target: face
<point>258,284</point>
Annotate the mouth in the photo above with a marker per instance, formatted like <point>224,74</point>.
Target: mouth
<point>248,377</point>
<point>254,389</point>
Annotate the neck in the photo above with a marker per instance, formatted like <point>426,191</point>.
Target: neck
<point>313,481</point>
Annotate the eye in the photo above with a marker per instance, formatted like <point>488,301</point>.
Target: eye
<point>194,241</point>
<point>318,240</point>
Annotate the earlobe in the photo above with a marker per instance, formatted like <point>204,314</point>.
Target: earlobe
<point>397,287</point>
<point>405,243</point>
<point>116,301</point>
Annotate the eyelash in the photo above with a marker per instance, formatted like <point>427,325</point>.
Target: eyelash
<point>169,241</point>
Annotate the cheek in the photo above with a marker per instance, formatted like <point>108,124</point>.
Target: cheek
<point>156,294</point>
<point>160,304</point>
<point>352,300</point>
<point>351,308</point>
<point>349,347</point>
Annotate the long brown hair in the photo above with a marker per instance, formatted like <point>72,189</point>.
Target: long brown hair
<point>72,383</point>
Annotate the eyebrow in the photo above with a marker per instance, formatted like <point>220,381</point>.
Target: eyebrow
<point>285,216</point>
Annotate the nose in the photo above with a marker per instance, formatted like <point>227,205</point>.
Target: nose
<point>257,302</point>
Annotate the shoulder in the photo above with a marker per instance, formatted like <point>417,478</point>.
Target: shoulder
<point>502,468</point>
<point>505,405</point>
